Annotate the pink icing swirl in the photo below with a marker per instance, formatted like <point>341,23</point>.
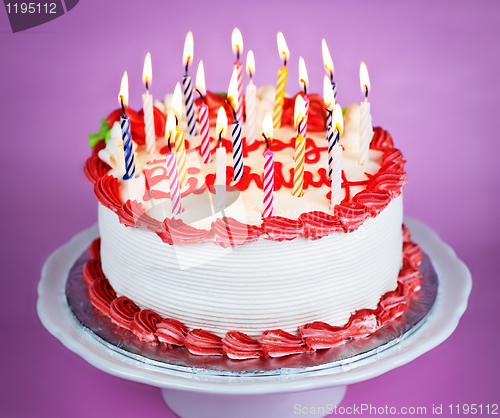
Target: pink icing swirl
<point>144,326</point>
<point>278,343</point>
<point>101,294</point>
<point>238,346</point>
<point>171,332</point>
<point>203,343</point>
<point>92,271</point>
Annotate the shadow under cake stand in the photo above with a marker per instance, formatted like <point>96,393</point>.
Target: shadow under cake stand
<point>192,395</point>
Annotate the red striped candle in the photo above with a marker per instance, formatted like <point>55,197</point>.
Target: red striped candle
<point>173,180</point>
<point>237,42</point>
<point>268,184</point>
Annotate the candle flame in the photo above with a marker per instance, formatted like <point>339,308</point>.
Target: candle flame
<point>237,41</point>
<point>123,95</point>
<point>232,91</point>
<point>170,125</point>
<point>327,58</point>
<point>328,96</point>
<point>267,127</point>
<point>337,118</point>
<point>187,55</point>
<point>300,110</point>
<point>282,47</point>
<point>147,72</point>
<point>364,79</point>
<point>200,79</point>
<point>221,126</point>
<point>250,63</point>
<point>303,79</point>
<point>177,101</point>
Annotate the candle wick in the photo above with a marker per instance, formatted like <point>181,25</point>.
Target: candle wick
<point>299,125</point>
<point>187,65</point>
<point>331,75</point>
<point>201,95</point>
<point>123,106</point>
<point>285,59</point>
<point>232,108</point>
<point>366,92</point>
<point>305,86</point>
<point>329,111</point>
<point>220,138</point>
<point>237,52</point>
<point>251,75</point>
<point>147,84</point>
<point>169,146</point>
<point>267,141</point>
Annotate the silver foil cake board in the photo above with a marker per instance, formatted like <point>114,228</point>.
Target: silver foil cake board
<point>124,342</point>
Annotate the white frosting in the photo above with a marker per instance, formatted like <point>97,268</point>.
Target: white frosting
<point>260,285</point>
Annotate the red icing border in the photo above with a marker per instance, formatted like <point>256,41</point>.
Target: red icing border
<point>148,326</point>
<point>381,188</point>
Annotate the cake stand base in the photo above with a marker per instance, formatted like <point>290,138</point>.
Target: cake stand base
<point>317,403</point>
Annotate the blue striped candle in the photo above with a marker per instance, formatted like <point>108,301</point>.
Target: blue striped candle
<point>187,88</point>
<point>127,148</point>
<point>237,150</point>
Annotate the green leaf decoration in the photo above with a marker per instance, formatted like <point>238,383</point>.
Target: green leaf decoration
<point>344,109</point>
<point>103,134</point>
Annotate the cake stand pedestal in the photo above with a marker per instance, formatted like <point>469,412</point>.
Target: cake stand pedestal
<point>194,395</point>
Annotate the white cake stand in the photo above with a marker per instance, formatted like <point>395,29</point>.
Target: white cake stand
<point>192,395</point>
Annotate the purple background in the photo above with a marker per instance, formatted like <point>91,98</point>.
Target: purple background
<point>434,68</point>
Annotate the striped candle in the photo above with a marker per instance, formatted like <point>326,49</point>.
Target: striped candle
<point>281,84</point>
<point>303,126</point>
<point>173,180</point>
<point>187,89</point>
<point>279,99</point>
<point>298,171</point>
<point>237,150</point>
<point>127,148</point>
<point>336,176</point>
<point>268,186</point>
<point>180,151</point>
<point>205,133</point>
<point>332,136</point>
<point>239,107</point>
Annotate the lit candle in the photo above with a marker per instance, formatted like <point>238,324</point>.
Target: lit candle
<point>268,184</point>
<point>327,60</point>
<point>180,146</point>
<point>203,114</point>
<point>365,118</point>
<point>173,179</point>
<point>232,98</point>
<point>220,158</point>
<point>300,147</point>
<point>304,80</point>
<point>329,101</point>
<point>338,126</point>
<point>281,84</point>
<point>147,105</point>
<point>125,126</point>
<point>237,42</point>
<point>187,85</point>
<point>250,100</point>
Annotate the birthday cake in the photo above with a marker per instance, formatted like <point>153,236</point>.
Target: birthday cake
<point>247,278</point>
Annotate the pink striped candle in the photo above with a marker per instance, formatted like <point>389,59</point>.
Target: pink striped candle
<point>203,114</point>
<point>173,180</point>
<point>303,126</point>
<point>205,133</point>
<point>268,183</point>
<point>237,43</point>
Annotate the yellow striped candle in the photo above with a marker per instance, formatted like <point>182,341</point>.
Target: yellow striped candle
<point>300,148</point>
<point>281,84</point>
<point>180,152</point>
